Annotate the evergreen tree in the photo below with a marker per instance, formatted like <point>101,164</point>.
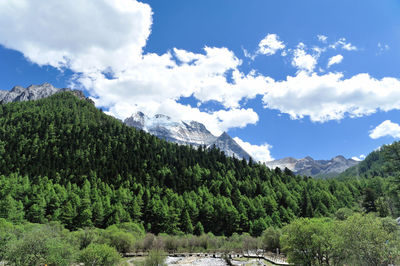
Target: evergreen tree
<point>198,229</point>
<point>186,223</point>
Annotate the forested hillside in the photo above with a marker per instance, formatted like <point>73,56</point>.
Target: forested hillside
<point>383,162</point>
<point>62,159</point>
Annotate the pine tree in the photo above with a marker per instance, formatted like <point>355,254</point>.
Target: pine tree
<point>85,211</point>
<point>198,229</point>
<point>68,214</point>
<point>11,210</point>
<point>98,213</point>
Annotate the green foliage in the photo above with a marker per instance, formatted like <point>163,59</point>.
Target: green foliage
<point>357,240</point>
<point>343,213</point>
<point>186,223</point>
<point>155,258</point>
<point>121,240</point>
<point>271,239</point>
<point>198,229</point>
<point>383,162</point>
<point>8,233</point>
<point>309,241</point>
<point>99,254</point>
<point>41,245</point>
<point>368,240</point>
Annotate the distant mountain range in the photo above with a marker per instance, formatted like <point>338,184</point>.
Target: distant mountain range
<point>185,132</point>
<point>317,168</point>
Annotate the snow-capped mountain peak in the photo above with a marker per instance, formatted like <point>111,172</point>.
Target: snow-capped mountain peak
<point>185,132</point>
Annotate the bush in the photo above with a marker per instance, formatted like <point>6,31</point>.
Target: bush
<point>99,254</point>
<point>148,242</point>
<point>124,242</point>
<point>270,239</point>
<point>40,245</point>
<point>155,258</point>
<point>343,213</point>
<point>358,240</point>
<point>85,237</point>
<point>6,235</point>
<point>170,243</point>
<point>133,228</point>
<point>311,242</point>
<point>370,240</point>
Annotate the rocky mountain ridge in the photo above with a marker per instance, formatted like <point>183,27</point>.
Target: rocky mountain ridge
<point>185,133</point>
<point>317,168</point>
<point>35,92</point>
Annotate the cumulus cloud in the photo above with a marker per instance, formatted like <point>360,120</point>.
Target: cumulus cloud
<point>84,36</point>
<point>302,60</point>
<point>331,96</point>
<point>270,45</point>
<point>386,128</point>
<point>260,153</point>
<point>337,59</point>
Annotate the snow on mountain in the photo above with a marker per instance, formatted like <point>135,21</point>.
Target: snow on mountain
<point>185,133</point>
<point>310,167</point>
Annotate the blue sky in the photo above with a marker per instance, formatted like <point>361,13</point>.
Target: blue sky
<point>206,60</point>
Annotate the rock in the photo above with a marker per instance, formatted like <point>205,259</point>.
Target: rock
<point>35,92</point>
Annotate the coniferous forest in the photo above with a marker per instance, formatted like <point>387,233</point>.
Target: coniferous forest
<point>64,161</point>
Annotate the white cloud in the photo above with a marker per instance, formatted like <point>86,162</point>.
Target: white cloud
<point>359,158</point>
<point>257,152</point>
<point>386,128</point>
<point>270,45</point>
<point>342,43</point>
<point>337,59</point>
<point>331,97</point>
<point>84,36</point>
<point>302,60</point>
<point>322,38</point>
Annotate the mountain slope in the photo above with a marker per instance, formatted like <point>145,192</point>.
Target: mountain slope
<point>185,132</point>
<point>383,162</point>
<point>62,159</point>
<point>317,168</point>
<point>228,145</point>
<point>188,133</point>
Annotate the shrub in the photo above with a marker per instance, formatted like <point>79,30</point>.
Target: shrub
<point>85,237</point>
<point>41,245</point>
<point>99,254</point>
<point>270,239</point>
<point>155,258</point>
<point>133,228</point>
